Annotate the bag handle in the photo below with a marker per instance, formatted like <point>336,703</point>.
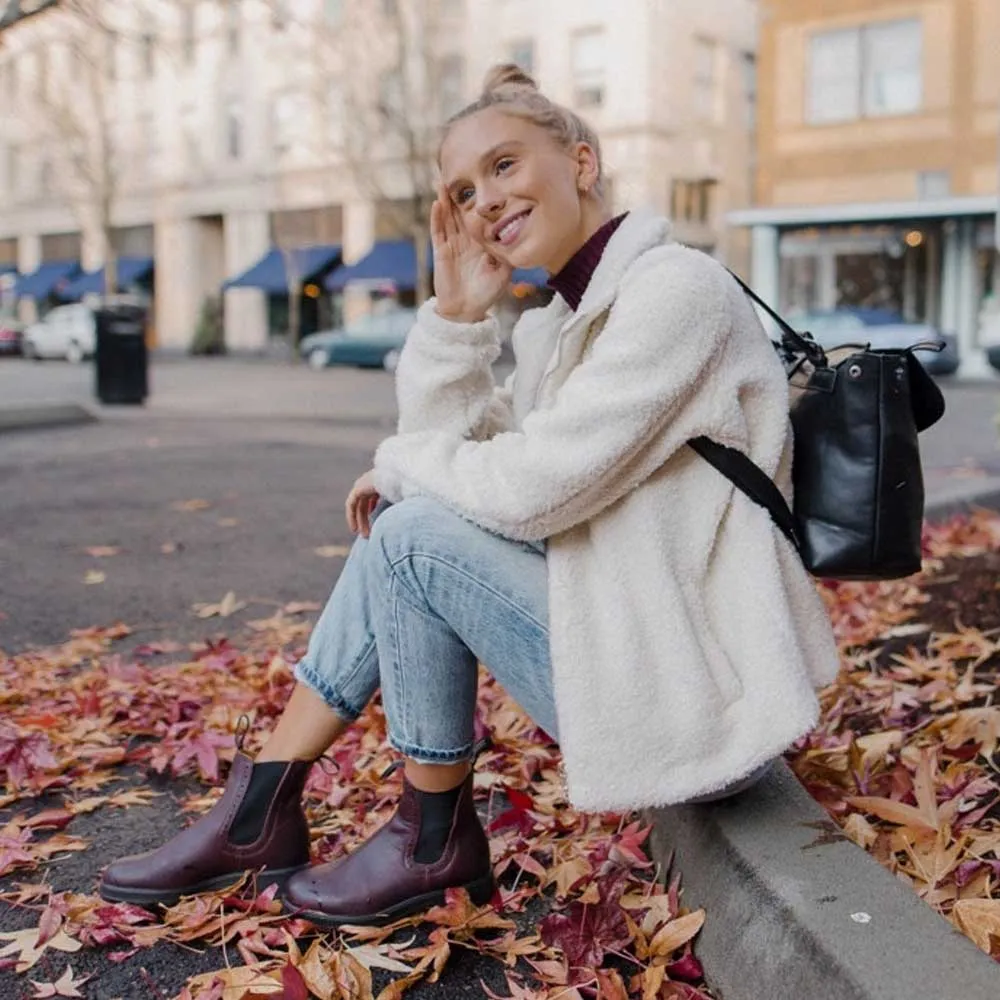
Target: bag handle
<point>749,477</point>
<point>791,340</point>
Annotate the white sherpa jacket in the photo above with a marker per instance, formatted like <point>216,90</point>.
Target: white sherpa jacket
<point>686,638</point>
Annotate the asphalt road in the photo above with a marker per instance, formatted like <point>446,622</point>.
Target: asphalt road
<point>273,452</point>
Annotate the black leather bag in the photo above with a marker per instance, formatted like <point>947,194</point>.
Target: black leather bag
<point>858,484</point>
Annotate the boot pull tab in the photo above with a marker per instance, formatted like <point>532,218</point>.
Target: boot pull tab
<point>393,768</point>
<point>242,728</point>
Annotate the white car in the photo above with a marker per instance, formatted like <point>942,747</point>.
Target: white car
<point>66,332</point>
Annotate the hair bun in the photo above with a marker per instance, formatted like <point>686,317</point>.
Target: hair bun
<point>505,76</point>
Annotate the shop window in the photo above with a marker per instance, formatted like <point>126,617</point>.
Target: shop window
<point>692,200</point>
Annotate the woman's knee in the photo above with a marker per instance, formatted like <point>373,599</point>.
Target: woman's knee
<point>417,524</point>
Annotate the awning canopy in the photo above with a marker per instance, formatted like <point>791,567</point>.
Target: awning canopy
<point>869,211</point>
<point>396,261</point>
<point>269,274</point>
<point>390,260</point>
<point>130,270</point>
<point>46,279</point>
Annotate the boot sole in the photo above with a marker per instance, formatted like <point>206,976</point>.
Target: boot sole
<point>480,892</point>
<point>147,897</point>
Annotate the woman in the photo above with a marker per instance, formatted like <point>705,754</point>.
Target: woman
<point>639,608</point>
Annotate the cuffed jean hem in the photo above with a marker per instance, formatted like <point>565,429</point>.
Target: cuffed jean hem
<point>305,674</point>
<point>424,756</point>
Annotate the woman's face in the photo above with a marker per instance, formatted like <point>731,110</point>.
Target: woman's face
<point>516,189</point>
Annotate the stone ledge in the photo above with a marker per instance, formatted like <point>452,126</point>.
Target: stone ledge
<point>19,418</point>
<point>796,911</point>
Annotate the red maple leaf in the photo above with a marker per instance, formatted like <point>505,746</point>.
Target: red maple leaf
<point>21,757</point>
<point>586,931</point>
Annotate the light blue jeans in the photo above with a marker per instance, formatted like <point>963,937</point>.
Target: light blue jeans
<point>417,606</point>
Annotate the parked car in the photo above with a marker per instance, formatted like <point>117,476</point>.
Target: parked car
<point>881,328</point>
<point>11,331</point>
<point>65,332</point>
<point>372,341</point>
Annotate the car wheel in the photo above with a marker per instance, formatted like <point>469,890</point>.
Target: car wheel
<point>317,358</point>
<point>390,360</point>
<point>74,353</point>
<point>27,351</point>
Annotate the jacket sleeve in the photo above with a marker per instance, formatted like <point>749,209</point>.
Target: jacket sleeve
<point>618,417</point>
<point>444,380</point>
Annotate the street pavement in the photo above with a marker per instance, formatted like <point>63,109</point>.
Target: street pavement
<point>272,450</point>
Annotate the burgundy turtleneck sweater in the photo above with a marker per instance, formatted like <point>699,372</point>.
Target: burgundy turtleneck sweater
<point>571,282</point>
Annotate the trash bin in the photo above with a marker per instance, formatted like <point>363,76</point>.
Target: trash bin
<point>120,360</point>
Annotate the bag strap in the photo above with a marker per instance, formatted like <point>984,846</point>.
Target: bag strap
<point>749,477</point>
<point>791,339</point>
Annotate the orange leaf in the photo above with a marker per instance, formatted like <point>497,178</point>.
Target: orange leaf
<point>678,932</point>
<point>892,811</point>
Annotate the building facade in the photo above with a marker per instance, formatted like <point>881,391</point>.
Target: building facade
<point>226,123</point>
<point>878,161</point>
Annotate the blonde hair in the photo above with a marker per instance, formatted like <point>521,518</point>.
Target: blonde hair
<point>509,89</point>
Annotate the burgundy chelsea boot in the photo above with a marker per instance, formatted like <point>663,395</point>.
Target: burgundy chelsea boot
<point>216,851</point>
<point>382,881</point>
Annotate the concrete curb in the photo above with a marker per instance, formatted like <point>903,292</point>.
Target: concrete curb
<point>796,911</point>
<point>20,418</point>
<point>962,496</point>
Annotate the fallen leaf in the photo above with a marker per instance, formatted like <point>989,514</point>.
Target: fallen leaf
<point>228,522</point>
<point>24,945</point>
<point>333,551</point>
<point>980,920</point>
<point>191,505</point>
<point>226,607</point>
<point>65,986</point>
<point>94,576</point>
<point>102,551</point>
<point>678,932</point>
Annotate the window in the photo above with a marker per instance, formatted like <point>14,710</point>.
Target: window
<point>13,169</point>
<point>148,149</point>
<point>893,57</point>
<point>691,200</point>
<point>147,53</point>
<point>42,73</point>
<point>335,114</point>
<point>588,68</point>
<point>45,176</point>
<point>706,54</point>
<point>286,121</point>
<point>450,77</point>
<point>390,94</point>
<point>521,52</point>
<point>748,64</point>
<point>111,54</point>
<point>279,14</point>
<point>234,128</point>
<point>869,71</point>
<point>933,184</point>
<point>187,35</point>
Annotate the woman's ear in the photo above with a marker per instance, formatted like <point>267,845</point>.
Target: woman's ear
<point>588,169</point>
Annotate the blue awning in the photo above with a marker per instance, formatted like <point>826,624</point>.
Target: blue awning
<point>391,260</point>
<point>268,274</point>
<point>536,276</point>
<point>47,279</point>
<point>130,270</point>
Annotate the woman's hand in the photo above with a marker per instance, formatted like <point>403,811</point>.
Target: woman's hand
<point>360,503</point>
<point>467,280</point>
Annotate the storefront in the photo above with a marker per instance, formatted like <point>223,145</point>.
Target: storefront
<point>930,262</point>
